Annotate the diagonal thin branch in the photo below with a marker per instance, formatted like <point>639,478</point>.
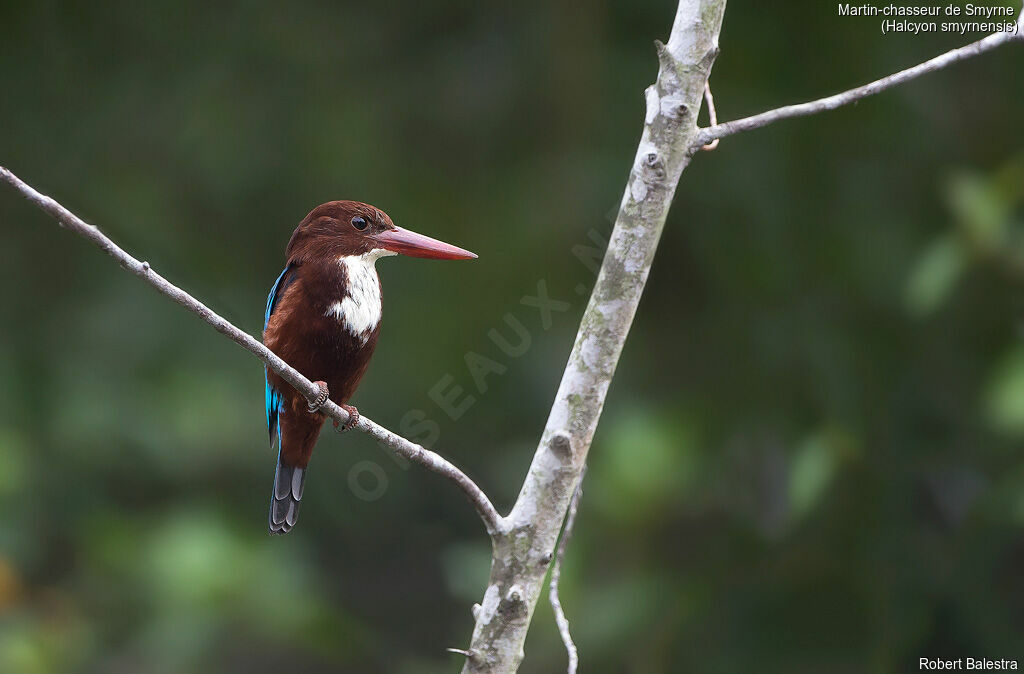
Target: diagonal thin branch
<point>396,443</point>
<point>718,131</point>
<point>556,576</point>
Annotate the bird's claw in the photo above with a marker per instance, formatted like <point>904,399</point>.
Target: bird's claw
<point>315,405</point>
<point>353,419</point>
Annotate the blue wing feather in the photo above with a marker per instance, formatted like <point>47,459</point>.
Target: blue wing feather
<point>272,396</point>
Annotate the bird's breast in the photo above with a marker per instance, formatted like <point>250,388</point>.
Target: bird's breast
<point>358,304</point>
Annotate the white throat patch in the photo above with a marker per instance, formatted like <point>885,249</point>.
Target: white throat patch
<point>360,310</point>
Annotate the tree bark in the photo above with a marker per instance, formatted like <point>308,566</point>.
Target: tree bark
<point>523,549</point>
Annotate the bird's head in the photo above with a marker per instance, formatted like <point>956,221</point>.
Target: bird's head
<point>340,228</point>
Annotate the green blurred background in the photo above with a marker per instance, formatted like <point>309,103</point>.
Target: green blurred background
<point>810,459</point>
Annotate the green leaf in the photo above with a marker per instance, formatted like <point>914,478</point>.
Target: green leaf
<point>935,275</point>
<point>814,467</point>
<point>980,208</point>
<point>1005,396</point>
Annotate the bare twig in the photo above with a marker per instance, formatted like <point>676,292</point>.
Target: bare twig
<point>396,443</point>
<point>718,131</point>
<point>556,576</point>
<point>712,115</point>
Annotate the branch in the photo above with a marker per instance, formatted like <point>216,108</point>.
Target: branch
<point>523,553</point>
<point>556,576</point>
<point>718,131</point>
<point>709,98</point>
<point>396,443</point>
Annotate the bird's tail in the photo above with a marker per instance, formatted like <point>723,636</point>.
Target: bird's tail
<point>284,504</point>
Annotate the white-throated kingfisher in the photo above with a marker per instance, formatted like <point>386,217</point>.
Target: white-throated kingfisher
<point>323,318</point>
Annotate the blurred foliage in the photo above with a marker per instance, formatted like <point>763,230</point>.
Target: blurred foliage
<point>810,458</point>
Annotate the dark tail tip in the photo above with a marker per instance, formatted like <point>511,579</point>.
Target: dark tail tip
<point>284,505</point>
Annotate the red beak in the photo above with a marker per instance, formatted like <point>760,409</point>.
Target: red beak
<point>416,245</point>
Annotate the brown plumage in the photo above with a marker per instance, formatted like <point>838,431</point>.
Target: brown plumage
<point>323,318</point>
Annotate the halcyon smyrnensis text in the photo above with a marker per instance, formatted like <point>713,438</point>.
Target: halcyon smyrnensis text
<point>323,318</point>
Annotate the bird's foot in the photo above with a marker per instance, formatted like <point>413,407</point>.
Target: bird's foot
<point>353,419</point>
<point>315,405</point>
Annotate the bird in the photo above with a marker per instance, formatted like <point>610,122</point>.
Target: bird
<point>323,318</point>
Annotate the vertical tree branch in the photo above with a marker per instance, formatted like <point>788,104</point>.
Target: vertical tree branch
<point>556,576</point>
<point>524,550</point>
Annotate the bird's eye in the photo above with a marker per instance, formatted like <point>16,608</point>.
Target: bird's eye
<point>359,222</point>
